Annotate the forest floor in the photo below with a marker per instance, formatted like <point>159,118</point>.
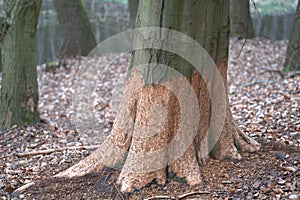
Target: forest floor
<point>264,101</point>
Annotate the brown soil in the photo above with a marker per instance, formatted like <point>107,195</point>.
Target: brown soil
<point>264,102</point>
<point>259,175</point>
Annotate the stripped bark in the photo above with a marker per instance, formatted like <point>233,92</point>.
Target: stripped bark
<point>152,114</point>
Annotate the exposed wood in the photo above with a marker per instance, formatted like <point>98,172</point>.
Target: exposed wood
<point>151,116</point>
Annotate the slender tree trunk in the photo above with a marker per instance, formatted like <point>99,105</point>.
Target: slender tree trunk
<point>168,123</point>
<point>241,21</point>
<point>292,61</point>
<point>19,92</point>
<point>133,7</point>
<point>76,31</point>
<point>0,60</point>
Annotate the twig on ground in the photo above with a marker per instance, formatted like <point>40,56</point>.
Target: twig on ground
<point>295,73</point>
<point>179,197</point>
<point>255,82</point>
<point>193,193</point>
<point>281,73</point>
<point>107,177</point>
<point>49,151</point>
<point>160,197</point>
<point>119,193</point>
<point>24,187</point>
<point>238,55</point>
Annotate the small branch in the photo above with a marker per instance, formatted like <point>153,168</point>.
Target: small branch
<point>244,43</point>
<point>295,73</point>
<point>282,75</point>
<point>179,197</point>
<point>193,193</point>
<point>24,187</point>
<point>160,197</point>
<point>49,151</point>
<point>255,82</point>
<point>119,193</point>
<point>279,72</point>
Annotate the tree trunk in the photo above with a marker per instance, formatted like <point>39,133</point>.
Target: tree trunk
<point>292,61</point>
<point>133,7</point>
<point>0,60</point>
<point>19,92</point>
<point>76,31</point>
<point>172,119</point>
<point>241,21</point>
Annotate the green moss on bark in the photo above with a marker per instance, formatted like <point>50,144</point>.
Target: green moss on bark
<point>292,61</point>
<point>187,19</point>
<point>19,92</point>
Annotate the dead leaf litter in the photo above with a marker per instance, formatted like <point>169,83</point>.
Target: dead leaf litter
<point>264,101</point>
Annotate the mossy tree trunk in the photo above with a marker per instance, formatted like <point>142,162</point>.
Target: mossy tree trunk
<point>241,21</point>
<point>19,92</point>
<point>77,35</point>
<point>151,117</point>
<point>292,61</point>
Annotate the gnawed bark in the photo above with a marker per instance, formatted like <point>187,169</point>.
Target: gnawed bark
<point>173,124</point>
<point>141,136</point>
<point>232,139</point>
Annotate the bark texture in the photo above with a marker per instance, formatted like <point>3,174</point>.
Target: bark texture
<point>157,105</point>
<point>76,31</point>
<point>241,21</point>
<point>292,61</point>
<point>133,7</point>
<point>0,60</point>
<point>19,92</point>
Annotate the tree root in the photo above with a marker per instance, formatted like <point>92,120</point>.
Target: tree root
<point>147,123</point>
<point>187,167</point>
<point>88,165</point>
<point>232,141</point>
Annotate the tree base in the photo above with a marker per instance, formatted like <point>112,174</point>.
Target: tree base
<point>148,121</point>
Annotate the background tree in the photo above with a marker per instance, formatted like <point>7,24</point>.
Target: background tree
<point>76,31</point>
<point>0,60</point>
<point>207,22</point>
<point>241,21</point>
<point>133,7</point>
<point>292,61</point>
<point>19,92</point>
